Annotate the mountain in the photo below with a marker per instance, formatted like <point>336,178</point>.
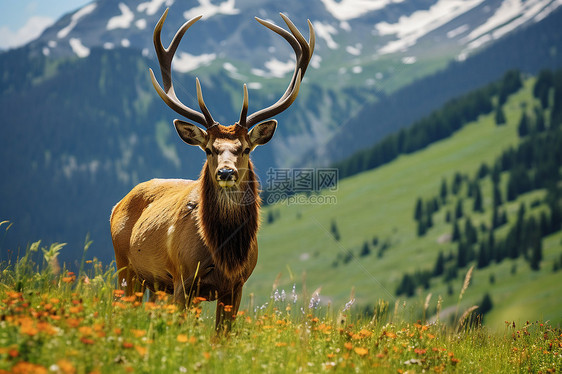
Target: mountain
<point>81,123</point>
<point>358,41</point>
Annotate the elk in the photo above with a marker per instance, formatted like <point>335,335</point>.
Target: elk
<point>198,238</point>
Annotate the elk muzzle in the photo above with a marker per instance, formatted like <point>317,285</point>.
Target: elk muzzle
<point>226,177</point>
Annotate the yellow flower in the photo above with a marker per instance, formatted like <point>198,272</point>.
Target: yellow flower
<point>361,351</point>
<point>182,338</point>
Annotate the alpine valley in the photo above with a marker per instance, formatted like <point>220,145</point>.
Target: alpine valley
<point>80,122</point>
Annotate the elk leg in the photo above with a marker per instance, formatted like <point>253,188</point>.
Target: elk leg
<point>227,308</point>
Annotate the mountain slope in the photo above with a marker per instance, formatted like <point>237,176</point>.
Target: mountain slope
<point>379,204</point>
<point>528,50</point>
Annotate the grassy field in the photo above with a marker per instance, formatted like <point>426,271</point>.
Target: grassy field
<point>380,203</point>
<point>54,321</point>
<point>301,312</point>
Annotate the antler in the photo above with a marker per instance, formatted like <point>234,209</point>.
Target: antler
<point>165,56</point>
<point>303,51</point>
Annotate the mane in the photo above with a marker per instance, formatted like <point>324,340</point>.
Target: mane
<point>228,221</point>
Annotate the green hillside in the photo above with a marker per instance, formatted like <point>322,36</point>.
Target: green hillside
<point>377,207</point>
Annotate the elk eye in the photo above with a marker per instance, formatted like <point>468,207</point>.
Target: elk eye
<point>247,151</point>
<point>208,151</point>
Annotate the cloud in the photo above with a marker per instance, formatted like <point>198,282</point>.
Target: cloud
<point>30,30</point>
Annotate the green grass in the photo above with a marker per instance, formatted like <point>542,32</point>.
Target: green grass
<point>381,203</point>
<point>54,321</point>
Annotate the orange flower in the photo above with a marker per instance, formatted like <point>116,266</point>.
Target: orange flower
<point>207,355</point>
<point>128,345</point>
<point>389,334</point>
<point>141,350</point>
<point>68,279</point>
<point>281,344</point>
<point>66,366</point>
<point>361,351</point>
<point>87,341</point>
<point>138,333</point>
<point>348,346</point>
<point>182,338</point>
<point>27,367</point>
<point>420,351</point>
<point>118,293</point>
<point>198,299</point>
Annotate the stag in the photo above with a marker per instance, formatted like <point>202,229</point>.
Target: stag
<point>198,238</point>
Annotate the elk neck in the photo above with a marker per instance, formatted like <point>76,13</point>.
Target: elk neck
<point>228,221</point>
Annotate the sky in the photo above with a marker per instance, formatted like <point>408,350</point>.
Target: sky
<point>23,20</point>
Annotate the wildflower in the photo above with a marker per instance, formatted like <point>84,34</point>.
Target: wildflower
<point>182,338</point>
<point>86,341</point>
<point>138,333</point>
<point>128,345</point>
<point>348,346</point>
<point>294,296</point>
<point>28,367</point>
<point>140,350</point>
<point>348,305</point>
<point>315,299</point>
<point>276,296</point>
<point>361,351</point>
<point>66,366</point>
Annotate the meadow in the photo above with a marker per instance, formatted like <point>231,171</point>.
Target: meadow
<point>56,321</point>
<point>380,203</point>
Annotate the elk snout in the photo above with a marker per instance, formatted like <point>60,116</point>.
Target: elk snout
<point>226,177</point>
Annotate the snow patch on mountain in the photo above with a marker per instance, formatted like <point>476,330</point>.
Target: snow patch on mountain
<point>151,7</point>
<point>63,33</point>
<point>275,68</point>
<point>79,48</point>
<point>409,29</point>
<point>185,62</point>
<point>325,31</point>
<point>122,21</point>
<point>510,15</point>
<point>208,10</point>
<point>345,10</point>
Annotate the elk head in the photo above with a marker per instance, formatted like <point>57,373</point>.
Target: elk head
<point>228,147</point>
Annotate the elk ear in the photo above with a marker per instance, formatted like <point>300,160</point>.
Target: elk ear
<point>191,134</point>
<point>262,132</point>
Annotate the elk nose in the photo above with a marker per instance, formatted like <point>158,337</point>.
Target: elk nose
<point>225,174</point>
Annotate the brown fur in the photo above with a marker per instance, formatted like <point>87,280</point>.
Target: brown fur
<point>192,238</point>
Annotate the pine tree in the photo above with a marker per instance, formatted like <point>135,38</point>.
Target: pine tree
<point>524,126</point>
<point>439,265</point>
<point>418,211</point>
<point>458,209</point>
<point>477,207</point>
<point>365,251</point>
<point>483,258</point>
<point>456,235</point>
<point>443,191</point>
<point>335,231</point>
<point>500,116</point>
